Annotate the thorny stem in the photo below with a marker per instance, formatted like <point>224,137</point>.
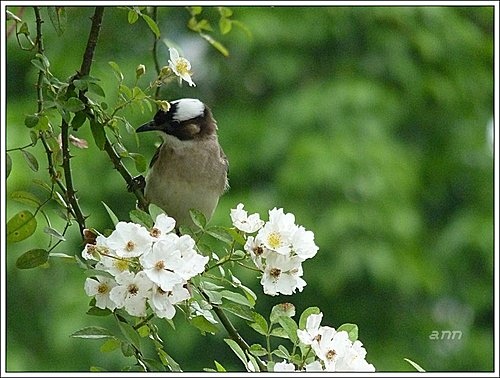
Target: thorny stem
<point>70,191</point>
<point>155,53</point>
<point>66,164</point>
<point>92,41</point>
<point>48,151</point>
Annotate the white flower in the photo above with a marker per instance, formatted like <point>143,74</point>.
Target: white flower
<point>354,359</point>
<point>180,66</point>
<point>277,233</point>
<point>303,243</point>
<point>245,223</point>
<point>92,251</point>
<point>162,264</point>
<point>113,264</point>
<point>163,226</point>
<point>284,366</point>
<point>311,333</point>
<point>331,346</point>
<point>282,275</point>
<point>257,251</point>
<point>132,292</point>
<point>172,261</point>
<point>162,302</point>
<point>314,366</point>
<point>100,289</point>
<point>129,240</point>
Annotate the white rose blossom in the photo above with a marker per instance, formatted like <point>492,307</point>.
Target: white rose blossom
<point>100,289</point>
<point>282,275</point>
<point>132,292</point>
<point>129,240</point>
<point>244,222</point>
<point>180,66</point>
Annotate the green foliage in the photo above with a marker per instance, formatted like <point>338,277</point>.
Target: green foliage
<point>368,123</point>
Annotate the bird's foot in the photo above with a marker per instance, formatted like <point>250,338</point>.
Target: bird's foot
<point>137,183</point>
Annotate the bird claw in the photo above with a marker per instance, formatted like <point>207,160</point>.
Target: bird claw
<point>137,183</point>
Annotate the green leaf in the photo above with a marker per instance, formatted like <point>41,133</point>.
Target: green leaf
<point>238,310</point>
<point>235,297</point>
<point>351,329</point>
<point>116,70</point>
<point>31,120</point>
<point>237,350</point>
<point>25,197</point>
<point>131,335</point>
<point>31,160</point>
<point>203,324</point>
<point>257,350</point>
<point>198,218</point>
<point>9,165</point>
<point>289,326</point>
<point>96,311</point>
<point>259,324</point>
<point>152,25</point>
<point>216,44</point>
<point>141,163</point>
<point>195,10</point>
<point>92,333</point>
<point>303,317</point>
<point>12,16</point>
<point>57,16</point>
<point>221,234</point>
<point>111,214</point>
<point>32,259</point>
<point>155,210</point>
<point>97,89</point>
<point>132,16</point>
<point>110,345</point>
<point>225,11</point>
<point>21,226</point>
<point>281,352</point>
<point>279,332</point>
<point>54,233</point>
<point>39,65</point>
<point>78,120</point>
<point>219,367</point>
<point>141,217</point>
<point>415,365</point>
<point>225,25</point>
<point>74,105</point>
<point>280,310</point>
<point>43,124</point>
<point>98,133</point>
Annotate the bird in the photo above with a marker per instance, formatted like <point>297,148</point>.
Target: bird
<point>189,170</point>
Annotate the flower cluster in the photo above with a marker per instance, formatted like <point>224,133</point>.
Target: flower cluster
<point>278,248</point>
<point>333,349</point>
<point>136,267</point>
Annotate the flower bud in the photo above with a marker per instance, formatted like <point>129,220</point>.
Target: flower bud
<point>164,105</point>
<point>140,70</point>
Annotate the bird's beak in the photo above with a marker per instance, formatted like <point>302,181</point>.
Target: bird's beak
<point>149,126</point>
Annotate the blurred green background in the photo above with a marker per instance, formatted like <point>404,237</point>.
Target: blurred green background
<point>373,125</point>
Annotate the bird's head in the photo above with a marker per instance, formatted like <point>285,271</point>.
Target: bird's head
<point>186,119</point>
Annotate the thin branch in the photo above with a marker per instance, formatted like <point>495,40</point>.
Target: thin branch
<point>40,49</point>
<point>70,191</point>
<point>117,162</point>
<point>155,53</point>
<point>232,331</point>
<point>92,41</point>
